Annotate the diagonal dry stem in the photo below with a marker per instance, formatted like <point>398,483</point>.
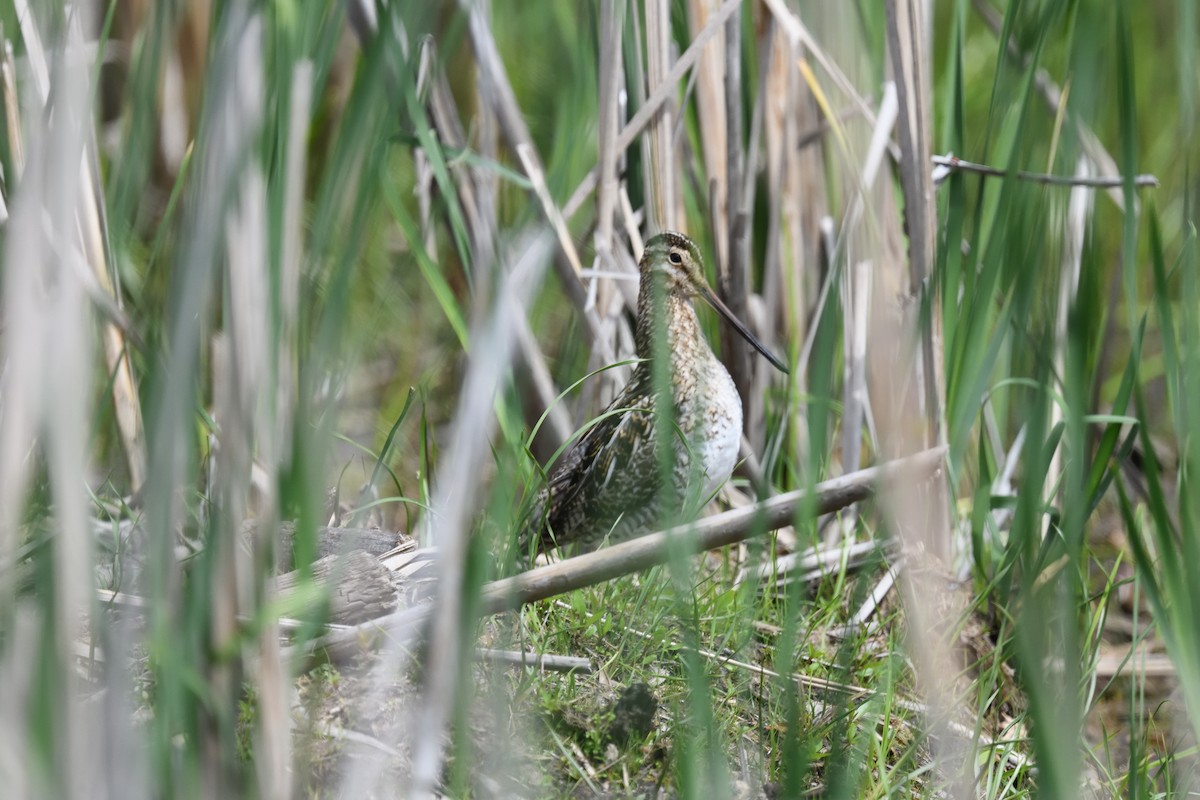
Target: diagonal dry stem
<point>662,91</point>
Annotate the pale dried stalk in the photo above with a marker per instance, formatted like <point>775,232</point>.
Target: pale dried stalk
<point>498,93</point>
<point>735,268</point>
<point>711,107</point>
<point>920,519</point>
<point>533,169</point>
<point>243,409</point>
<point>93,232</point>
<point>92,235</point>
<point>267,669</point>
<point>952,162</point>
<point>658,148</point>
<point>22,389</point>
<point>290,260</point>
<point>600,342</point>
<point>798,34</point>
<point>820,561</point>
<point>45,374</point>
<point>857,287</point>
<point>68,347</point>
<point>850,236</point>
<point>470,444</point>
<point>228,134</point>
<point>547,662</point>
<point>661,93</point>
<point>126,398</point>
<point>910,62</point>
<point>793,194</point>
<point>854,397</point>
<point>612,16</point>
<point>12,109</point>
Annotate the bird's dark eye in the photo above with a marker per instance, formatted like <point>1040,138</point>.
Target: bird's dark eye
<point>675,258</point>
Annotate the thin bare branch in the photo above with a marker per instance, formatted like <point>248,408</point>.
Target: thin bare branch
<point>953,162</point>
<point>545,661</point>
<point>1052,94</point>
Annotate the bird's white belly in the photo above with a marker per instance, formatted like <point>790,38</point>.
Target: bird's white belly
<point>718,448</point>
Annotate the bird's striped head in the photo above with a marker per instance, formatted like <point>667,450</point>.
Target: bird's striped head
<point>676,259</point>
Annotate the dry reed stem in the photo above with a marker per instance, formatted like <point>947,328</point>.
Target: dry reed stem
<point>228,134</point>
<point>662,91</point>
<point>909,360</point>
<point>910,62</point>
<point>790,259</point>
<point>711,106</point>
<point>547,662</point>
<point>12,112</point>
<point>819,560</point>
<point>658,146</point>
<point>92,235</point>
<point>872,162</point>
<point>533,169</point>
<point>126,397</point>
<point>21,393</point>
<point>242,359</point>
<point>735,272</point>
<point>854,400</point>
<point>47,360</point>
<point>66,417</point>
<point>862,616</point>
<point>601,343</point>
<point>857,283</point>
<point>612,17</point>
<point>798,34</point>
<point>274,442</point>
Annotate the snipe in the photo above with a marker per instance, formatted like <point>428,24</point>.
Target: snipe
<point>670,438</point>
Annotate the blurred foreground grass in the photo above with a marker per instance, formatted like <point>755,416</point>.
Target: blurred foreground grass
<point>271,262</point>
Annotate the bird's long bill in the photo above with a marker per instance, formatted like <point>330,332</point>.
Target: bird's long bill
<point>724,311</point>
